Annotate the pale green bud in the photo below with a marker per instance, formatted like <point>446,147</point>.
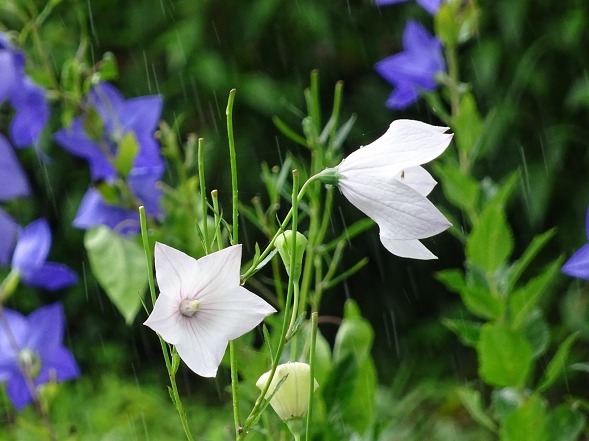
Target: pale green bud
<point>291,400</point>
<point>283,244</point>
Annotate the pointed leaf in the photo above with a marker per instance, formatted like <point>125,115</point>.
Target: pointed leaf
<point>558,363</point>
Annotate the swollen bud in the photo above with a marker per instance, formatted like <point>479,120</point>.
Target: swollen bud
<point>284,243</point>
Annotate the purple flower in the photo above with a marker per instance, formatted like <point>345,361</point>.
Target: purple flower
<point>119,117</point>
<point>9,230</point>
<point>430,6</point>
<point>13,181</point>
<point>578,264</point>
<point>28,99</point>
<point>33,344</point>
<point>29,259</point>
<point>414,69</point>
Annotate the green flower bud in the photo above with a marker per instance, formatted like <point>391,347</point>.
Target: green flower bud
<point>291,400</point>
<point>283,244</point>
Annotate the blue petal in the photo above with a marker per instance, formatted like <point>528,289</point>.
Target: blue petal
<point>45,327</point>
<point>32,114</point>
<point>13,182</point>
<point>8,74</point>
<point>108,102</point>
<point>9,230</point>
<point>58,364</point>
<point>93,211</point>
<point>32,247</point>
<point>18,391</point>
<point>430,6</point>
<point>142,114</point>
<point>144,185</point>
<point>51,276</point>
<point>402,97</point>
<point>578,264</point>
<point>19,329</point>
<point>75,140</point>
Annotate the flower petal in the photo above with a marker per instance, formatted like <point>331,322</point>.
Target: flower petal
<point>9,230</point>
<point>13,181</point>
<point>58,364</point>
<point>18,333</point>
<point>233,312</point>
<point>176,273</point>
<point>201,349</point>
<point>165,319</point>
<point>51,276</point>
<point>94,211</point>
<point>430,6</point>
<point>418,179</point>
<point>45,327</point>
<point>17,390</point>
<point>406,144</point>
<point>400,211</point>
<point>32,113</point>
<point>413,249</point>
<point>32,247</point>
<point>219,271</point>
<point>578,264</point>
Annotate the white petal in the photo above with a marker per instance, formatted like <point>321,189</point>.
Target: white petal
<point>200,348</point>
<point>400,211</point>
<point>413,249</point>
<point>234,312</point>
<point>174,271</point>
<point>406,144</point>
<point>166,320</point>
<point>418,179</point>
<point>218,271</point>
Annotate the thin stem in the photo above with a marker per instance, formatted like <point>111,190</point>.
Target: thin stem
<point>293,251</point>
<point>203,194</point>
<point>215,198</point>
<point>170,365</point>
<point>314,319</point>
<point>233,162</point>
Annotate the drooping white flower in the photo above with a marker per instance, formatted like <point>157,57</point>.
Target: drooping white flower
<point>201,305</point>
<point>291,400</point>
<point>384,180</point>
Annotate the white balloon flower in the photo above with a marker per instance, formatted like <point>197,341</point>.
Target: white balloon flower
<point>384,180</point>
<point>201,305</point>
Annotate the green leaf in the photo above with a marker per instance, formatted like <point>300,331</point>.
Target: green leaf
<point>537,332</point>
<point>558,363</point>
<point>565,424</point>
<point>468,125</point>
<point>453,279</point>
<point>520,265</point>
<point>355,335</point>
<point>471,400</point>
<point>467,331</point>
<point>505,401</point>
<point>119,266</point>
<point>528,422</point>
<point>127,150</point>
<point>523,301</point>
<point>460,189</point>
<point>505,357</point>
<point>490,244</point>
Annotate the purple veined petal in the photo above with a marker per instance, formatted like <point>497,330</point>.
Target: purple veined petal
<point>57,363</point>
<point>9,230</point>
<point>93,211</point>
<point>13,181</point>
<point>143,182</point>
<point>45,327</point>
<point>32,113</point>
<point>430,6</point>
<point>141,114</point>
<point>18,391</point>
<point>578,264</point>
<point>32,246</point>
<point>75,140</point>
<point>51,276</point>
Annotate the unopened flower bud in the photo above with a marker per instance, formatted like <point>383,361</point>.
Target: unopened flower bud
<point>283,244</point>
<point>291,400</point>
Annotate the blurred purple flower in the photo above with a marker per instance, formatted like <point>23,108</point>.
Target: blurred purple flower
<point>29,259</point>
<point>430,6</point>
<point>28,99</point>
<point>578,264</point>
<point>13,181</point>
<point>414,69</point>
<point>33,344</point>
<point>119,117</point>
<point>9,230</point>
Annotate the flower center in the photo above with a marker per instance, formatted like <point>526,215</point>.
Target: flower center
<point>30,362</point>
<point>188,307</point>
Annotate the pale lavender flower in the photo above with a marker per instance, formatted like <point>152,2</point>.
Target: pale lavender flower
<point>33,344</point>
<point>201,305</point>
<point>578,264</point>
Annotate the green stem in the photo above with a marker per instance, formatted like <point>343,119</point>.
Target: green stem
<point>170,366</point>
<point>233,161</point>
<point>203,194</point>
<point>314,320</point>
<point>215,198</point>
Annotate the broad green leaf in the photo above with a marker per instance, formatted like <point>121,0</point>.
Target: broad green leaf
<point>127,150</point>
<point>505,401</point>
<point>453,279</point>
<point>471,400</point>
<point>467,331</point>
<point>565,424</point>
<point>467,125</point>
<point>482,303</point>
<point>523,301</point>
<point>558,363</point>
<point>490,243</point>
<point>520,265</point>
<point>537,332</point>
<point>526,423</point>
<point>505,357</point>
<point>460,189</point>
<point>119,266</point>
<point>355,335</point>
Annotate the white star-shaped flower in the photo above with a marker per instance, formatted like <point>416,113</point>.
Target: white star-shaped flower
<point>385,181</point>
<point>201,305</point>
